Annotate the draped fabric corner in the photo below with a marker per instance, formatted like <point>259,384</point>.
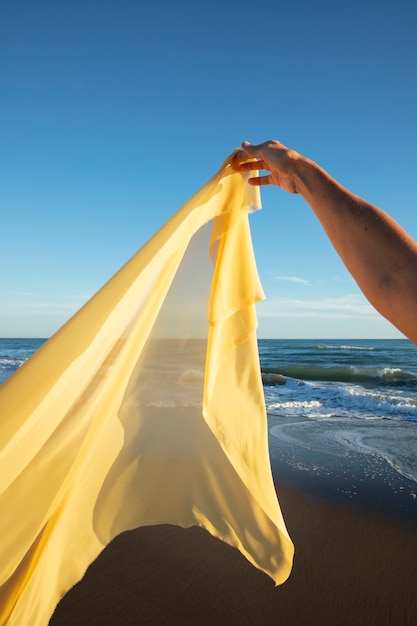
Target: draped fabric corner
<point>146,407</point>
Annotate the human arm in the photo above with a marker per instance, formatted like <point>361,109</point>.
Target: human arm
<point>376,250</point>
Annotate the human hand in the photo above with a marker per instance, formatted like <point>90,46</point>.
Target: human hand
<point>271,156</point>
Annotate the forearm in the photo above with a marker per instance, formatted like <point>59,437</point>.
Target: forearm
<point>376,250</point>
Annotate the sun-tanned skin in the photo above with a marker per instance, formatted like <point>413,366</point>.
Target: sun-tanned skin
<point>379,254</point>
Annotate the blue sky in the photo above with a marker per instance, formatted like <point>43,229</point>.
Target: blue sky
<point>113,113</point>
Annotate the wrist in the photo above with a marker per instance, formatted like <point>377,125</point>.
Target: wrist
<point>307,175</point>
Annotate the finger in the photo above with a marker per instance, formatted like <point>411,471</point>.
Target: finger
<point>253,165</point>
<point>241,155</point>
<point>260,181</point>
<point>237,158</point>
<point>249,150</point>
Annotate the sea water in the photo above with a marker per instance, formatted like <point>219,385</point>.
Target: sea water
<point>340,412</point>
<point>343,417</point>
<point>14,352</point>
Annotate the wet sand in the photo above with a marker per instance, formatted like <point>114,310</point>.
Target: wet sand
<point>351,567</point>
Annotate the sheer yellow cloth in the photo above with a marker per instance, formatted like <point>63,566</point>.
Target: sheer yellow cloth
<point>140,411</point>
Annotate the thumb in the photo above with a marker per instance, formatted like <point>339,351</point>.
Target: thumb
<point>248,148</point>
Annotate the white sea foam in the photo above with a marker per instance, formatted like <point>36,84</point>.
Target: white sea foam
<point>396,444</point>
<point>341,399</point>
<point>192,376</point>
<point>357,348</point>
<point>295,405</point>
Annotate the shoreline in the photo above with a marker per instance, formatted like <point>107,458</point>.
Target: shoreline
<point>351,567</point>
<point>357,482</point>
<point>311,458</point>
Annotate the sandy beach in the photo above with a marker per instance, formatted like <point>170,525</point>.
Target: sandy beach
<point>351,567</point>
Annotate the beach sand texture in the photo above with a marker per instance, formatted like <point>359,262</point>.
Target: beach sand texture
<point>351,568</point>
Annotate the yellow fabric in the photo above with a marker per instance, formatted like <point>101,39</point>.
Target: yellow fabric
<point>139,411</point>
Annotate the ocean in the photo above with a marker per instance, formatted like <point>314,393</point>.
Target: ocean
<point>342,416</point>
